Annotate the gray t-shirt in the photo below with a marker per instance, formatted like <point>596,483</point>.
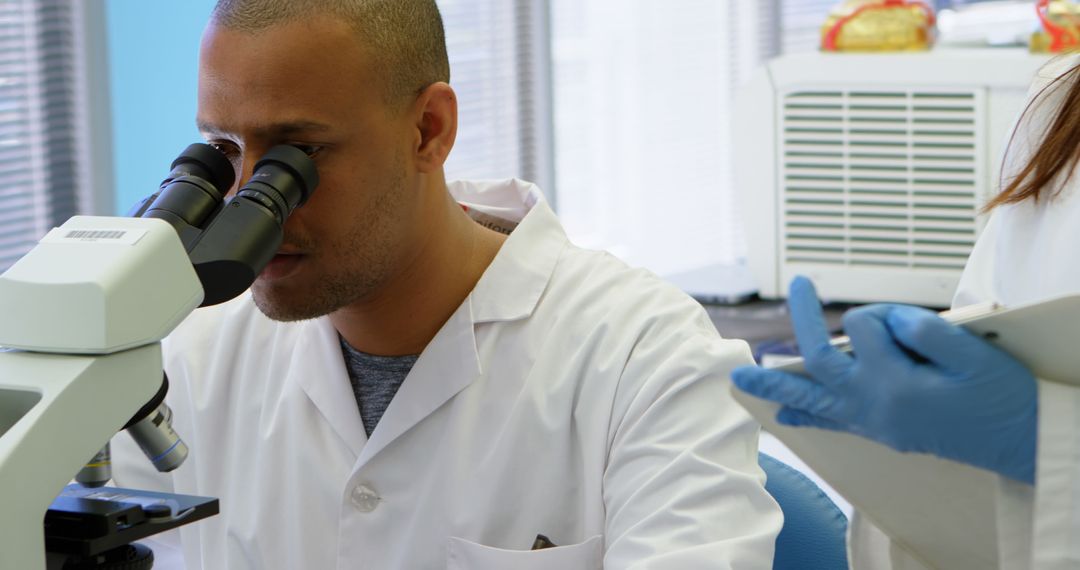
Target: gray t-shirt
<point>375,380</point>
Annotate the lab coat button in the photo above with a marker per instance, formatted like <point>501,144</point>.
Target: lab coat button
<point>364,498</point>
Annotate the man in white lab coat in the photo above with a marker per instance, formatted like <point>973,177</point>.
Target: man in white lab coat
<point>404,387</point>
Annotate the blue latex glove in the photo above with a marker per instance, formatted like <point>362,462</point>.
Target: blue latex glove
<point>914,383</point>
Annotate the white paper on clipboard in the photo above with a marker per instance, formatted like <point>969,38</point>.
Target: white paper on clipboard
<point>940,511</point>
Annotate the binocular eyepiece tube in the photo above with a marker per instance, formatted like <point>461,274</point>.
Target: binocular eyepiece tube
<point>194,192</point>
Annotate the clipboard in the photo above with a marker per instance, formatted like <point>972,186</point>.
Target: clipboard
<point>940,511</point>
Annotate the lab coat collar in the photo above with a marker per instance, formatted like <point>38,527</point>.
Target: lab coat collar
<point>322,376</point>
<point>448,365</point>
<point>509,289</point>
<point>511,286</point>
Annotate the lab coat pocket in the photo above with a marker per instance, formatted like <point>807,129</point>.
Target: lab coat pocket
<point>465,555</point>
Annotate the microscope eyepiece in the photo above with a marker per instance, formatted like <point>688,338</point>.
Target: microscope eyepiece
<point>246,234</point>
<point>282,181</point>
<point>193,192</point>
<point>206,162</point>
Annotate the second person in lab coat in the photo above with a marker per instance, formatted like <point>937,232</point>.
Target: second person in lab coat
<point>920,384</point>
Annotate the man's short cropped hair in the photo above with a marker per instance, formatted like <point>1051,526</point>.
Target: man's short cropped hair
<point>404,37</point>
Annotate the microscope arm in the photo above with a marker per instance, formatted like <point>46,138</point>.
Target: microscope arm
<point>55,412</point>
<point>92,302</point>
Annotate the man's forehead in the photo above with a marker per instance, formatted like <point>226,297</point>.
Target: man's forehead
<point>255,83</point>
<point>285,56</point>
<point>321,39</point>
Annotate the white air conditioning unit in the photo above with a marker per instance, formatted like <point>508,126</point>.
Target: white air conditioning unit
<point>866,172</point>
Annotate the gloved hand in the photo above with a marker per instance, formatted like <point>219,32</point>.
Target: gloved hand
<point>914,383</point>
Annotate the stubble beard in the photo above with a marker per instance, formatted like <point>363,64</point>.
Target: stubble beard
<point>364,258</point>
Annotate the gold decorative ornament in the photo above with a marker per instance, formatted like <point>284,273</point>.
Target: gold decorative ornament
<point>879,25</point>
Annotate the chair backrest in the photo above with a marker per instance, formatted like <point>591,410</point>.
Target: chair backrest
<point>814,528</point>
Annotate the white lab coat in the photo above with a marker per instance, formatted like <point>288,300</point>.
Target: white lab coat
<point>568,395</point>
<point>1027,252</point>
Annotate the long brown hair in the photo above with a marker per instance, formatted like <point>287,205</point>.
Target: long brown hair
<point>1059,150</point>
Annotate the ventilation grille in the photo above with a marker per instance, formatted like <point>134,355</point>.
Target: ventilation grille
<point>881,178</point>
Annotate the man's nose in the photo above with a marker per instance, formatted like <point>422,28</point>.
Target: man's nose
<point>247,168</point>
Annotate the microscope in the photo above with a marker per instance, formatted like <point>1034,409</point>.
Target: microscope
<point>82,316</point>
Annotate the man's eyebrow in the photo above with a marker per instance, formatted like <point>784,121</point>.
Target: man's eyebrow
<point>282,129</point>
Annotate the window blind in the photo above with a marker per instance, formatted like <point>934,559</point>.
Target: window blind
<point>800,24</point>
<point>499,69</point>
<point>41,126</point>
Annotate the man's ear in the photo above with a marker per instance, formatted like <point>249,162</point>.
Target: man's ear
<point>435,114</point>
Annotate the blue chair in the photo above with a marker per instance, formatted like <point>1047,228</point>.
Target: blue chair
<point>813,537</point>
